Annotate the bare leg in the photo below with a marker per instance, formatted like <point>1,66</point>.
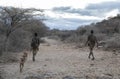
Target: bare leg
<point>21,67</point>
<point>92,54</point>
<point>34,54</point>
<point>93,57</point>
<point>89,55</point>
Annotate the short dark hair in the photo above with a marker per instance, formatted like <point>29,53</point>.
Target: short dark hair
<point>35,34</point>
<point>91,31</point>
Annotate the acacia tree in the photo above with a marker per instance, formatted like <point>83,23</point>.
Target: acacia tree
<point>12,19</point>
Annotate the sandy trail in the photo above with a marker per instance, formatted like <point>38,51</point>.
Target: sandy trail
<point>59,60</point>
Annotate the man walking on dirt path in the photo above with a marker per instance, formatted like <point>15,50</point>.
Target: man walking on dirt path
<point>35,45</point>
<point>91,41</point>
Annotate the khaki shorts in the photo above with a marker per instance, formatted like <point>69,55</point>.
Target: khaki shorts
<point>35,48</point>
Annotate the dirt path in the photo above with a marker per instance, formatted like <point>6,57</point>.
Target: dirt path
<point>56,60</point>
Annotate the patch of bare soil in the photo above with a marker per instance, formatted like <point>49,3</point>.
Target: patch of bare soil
<point>56,60</point>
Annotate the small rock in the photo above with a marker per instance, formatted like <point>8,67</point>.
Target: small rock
<point>91,64</point>
<point>68,77</point>
<point>102,58</point>
<point>1,77</point>
<point>1,73</point>
<point>72,77</point>
<point>104,77</point>
<point>49,75</point>
<point>109,74</point>
<point>34,77</point>
<point>45,65</point>
<point>115,53</point>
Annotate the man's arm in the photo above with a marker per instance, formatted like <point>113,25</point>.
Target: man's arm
<point>38,41</point>
<point>87,41</point>
<point>96,41</point>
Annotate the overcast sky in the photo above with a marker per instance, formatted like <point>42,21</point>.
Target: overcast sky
<point>69,14</point>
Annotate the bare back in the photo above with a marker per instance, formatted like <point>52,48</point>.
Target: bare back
<point>91,40</point>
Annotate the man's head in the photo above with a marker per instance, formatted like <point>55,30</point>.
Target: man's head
<point>91,31</point>
<point>35,34</point>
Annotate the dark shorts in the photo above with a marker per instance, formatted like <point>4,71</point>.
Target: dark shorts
<point>91,44</point>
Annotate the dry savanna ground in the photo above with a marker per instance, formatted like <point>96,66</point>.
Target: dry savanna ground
<point>56,60</point>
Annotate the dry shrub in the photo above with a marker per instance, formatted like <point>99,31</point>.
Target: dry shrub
<point>101,36</point>
<point>113,42</point>
<point>1,43</point>
<point>54,37</point>
<point>19,41</point>
<point>9,57</point>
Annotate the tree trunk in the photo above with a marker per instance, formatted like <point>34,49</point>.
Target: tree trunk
<point>5,44</point>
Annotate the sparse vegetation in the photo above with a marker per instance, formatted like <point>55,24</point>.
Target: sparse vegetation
<point>16,29</point>
<point>107,31</point>
<point>17,26</point>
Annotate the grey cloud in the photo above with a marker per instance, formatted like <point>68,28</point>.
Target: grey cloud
<point>61,8</point>
<point>97,10</point>
<point>104,6</point>
<point>101,8</point>
<point>70,10</point>
<point>92,9</point>
<point>66,23</point>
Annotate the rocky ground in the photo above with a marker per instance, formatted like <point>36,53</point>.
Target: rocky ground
<point>56,60</point>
